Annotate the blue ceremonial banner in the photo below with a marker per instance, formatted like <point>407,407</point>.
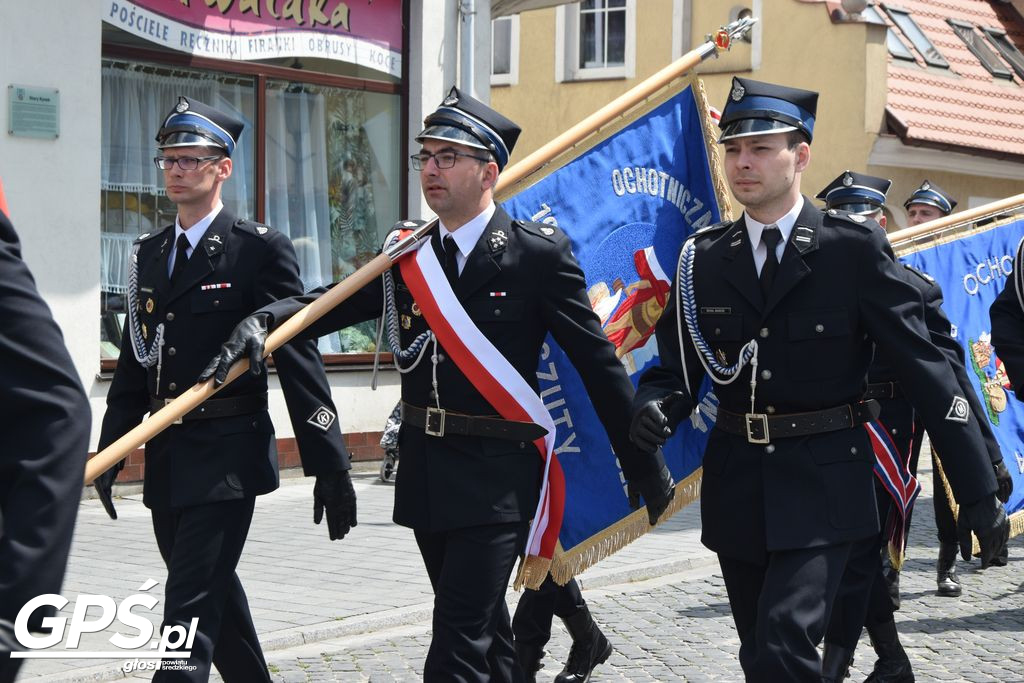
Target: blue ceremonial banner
<point>972,271</point>
<point>628,203</point>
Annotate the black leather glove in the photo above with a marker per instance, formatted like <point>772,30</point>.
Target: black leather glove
<point>654,422</point>
<point>334,493</point>
<point>657,490</point>
<point>987,519</point>
<point>247,338</point>
<point>105,487</point>
<point>1004,480</point>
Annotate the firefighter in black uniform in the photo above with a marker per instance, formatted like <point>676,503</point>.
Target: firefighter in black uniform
<point>870,588</point>
<point>190,284</point>
<point>45,423</point>
<point>788,300</point>
<point>927,203</point>
<point>468,487</point>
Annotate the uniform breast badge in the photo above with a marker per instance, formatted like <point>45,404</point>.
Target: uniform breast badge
<point>416,310</point>
<point>406,322</point>
<point>720,355</point>
<point>149,305</point>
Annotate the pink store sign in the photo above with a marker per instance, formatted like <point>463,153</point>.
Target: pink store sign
<point>363,32</point>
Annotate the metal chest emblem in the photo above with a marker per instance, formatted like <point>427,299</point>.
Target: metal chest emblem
<point>416,309</point>
<point>406,322</point>
<point>497,240</point>
<point>738,91</point>
<point>145,331</point>
<point>720,355</point>
<point>149,305</point>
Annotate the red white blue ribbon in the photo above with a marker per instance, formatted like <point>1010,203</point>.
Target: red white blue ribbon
<point>495,378</point>
<point>893,471</point>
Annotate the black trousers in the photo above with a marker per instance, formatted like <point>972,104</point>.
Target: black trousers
<point>781,609</point>
<point>531,623</point>
<point>469,570</point>
<point>201,546</point>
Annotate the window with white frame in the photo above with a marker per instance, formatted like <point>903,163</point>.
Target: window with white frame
<point>600,40</point>
<point>505,50</point>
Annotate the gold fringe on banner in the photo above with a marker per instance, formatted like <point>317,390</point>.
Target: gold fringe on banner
<point>606,542</point>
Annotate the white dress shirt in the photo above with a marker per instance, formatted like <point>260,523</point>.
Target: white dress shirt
<point>194,234</point>
<point>785,225</point>
<point>467,235</point>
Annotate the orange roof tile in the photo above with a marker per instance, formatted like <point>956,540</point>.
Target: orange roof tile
<point>963,106</point>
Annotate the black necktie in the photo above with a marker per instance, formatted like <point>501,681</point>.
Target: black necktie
<point>451,265</point>
<point>180,257</point>
<point>770,236</point>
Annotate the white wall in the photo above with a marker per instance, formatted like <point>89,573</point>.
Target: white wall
<point>52,186</point>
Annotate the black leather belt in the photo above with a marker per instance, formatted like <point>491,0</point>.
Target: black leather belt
<point>217,407</point>
<point>883,390</point>
<point>439,422</point>
<point>762,428</point>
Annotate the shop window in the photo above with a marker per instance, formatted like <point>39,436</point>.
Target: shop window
<point>331,174</point>
<point>1007,49</point>
<point>135,99</point>
<point>600,40</point>
<point>505,50</point>
<point>332,182</point>
<point>917,37</point>
<point>976,44</point>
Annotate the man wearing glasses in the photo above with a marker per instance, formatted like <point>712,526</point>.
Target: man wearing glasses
<point>190,284</point>
<point>471,478</point>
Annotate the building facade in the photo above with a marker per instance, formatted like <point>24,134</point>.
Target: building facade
<point>323,159</point>
<point>904,93</point>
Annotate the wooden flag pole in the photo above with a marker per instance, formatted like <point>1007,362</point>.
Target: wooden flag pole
<point>191,398</point>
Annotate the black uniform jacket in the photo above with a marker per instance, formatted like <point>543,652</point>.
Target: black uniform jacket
<point>237,267</point>
<point>941,333</point>
<point>835,292</point>
<point>45,426</point>
<point>457,481</point>
<point>1008,326</point>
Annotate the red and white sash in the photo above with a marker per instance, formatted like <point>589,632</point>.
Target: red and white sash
<point>496,380</point>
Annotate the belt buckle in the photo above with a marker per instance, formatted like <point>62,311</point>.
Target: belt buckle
<point>755,422</point>
<point>167,402</point>
<point>434,425</point>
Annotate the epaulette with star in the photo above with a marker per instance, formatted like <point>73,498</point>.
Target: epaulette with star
<point>920,273</point>
<point>548,232</point>
<point>253,228</point>
<point>150,235</point>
